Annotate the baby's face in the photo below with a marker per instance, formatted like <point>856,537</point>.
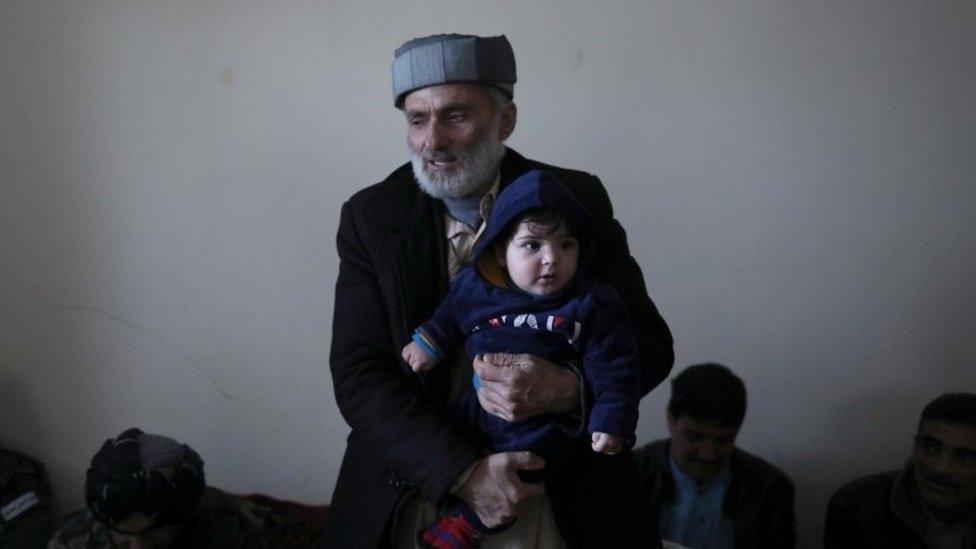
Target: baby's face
<point>538,261</point>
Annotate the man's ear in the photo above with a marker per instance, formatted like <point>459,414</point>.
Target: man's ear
<point>507,122</point>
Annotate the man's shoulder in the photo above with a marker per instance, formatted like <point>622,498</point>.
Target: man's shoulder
<point>586,187</point>
<point>396,204</point>
<point>870,488</point>
<point>657,483</point>
<point>514,165</point>
<point>866,503</point>
<point>80,531</point>
<point>517,163</point>
<point>760,469</point>
<point>652,455</point>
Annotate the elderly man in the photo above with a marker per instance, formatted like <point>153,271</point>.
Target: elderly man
<point>930,502</point>
<point>147,491</point>
<point>400,242</point>
<point>705,492</point>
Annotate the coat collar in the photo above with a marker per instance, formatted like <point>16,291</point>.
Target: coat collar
<point>906,504</point>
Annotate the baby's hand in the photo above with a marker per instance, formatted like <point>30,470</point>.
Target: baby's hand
<point>607,443</point>
<point>415,356</point>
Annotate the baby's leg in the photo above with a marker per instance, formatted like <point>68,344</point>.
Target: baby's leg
<point>458,528</point>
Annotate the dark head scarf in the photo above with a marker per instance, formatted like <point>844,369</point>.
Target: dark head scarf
<point>140,472</point>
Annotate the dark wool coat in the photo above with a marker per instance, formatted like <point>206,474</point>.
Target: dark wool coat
<point>861,514</point>
<point>759,500</point>
<point>392,275</point>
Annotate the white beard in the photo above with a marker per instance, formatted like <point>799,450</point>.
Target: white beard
<point>476,168</point>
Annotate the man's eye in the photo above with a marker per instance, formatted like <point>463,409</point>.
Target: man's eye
<point>455,116</point>
<point>530,245</point>
<point>568,244</point>
<point>966,458</point>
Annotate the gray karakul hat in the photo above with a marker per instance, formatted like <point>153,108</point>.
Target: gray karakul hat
<point>444,58</point>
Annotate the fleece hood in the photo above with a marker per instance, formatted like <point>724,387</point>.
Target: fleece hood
<point>533,190</point>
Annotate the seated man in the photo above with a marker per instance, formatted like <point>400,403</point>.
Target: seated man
<point>702,490</point>
<point>149,491</point>
<point>930,502</point>
<point>25,496</point>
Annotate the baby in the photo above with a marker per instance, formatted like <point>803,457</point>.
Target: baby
<point>529,292</point>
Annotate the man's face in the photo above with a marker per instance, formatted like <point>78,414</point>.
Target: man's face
<point>944,462</point>
<point>456,138</point>
<point>140,531</point>
<point>702,449</point>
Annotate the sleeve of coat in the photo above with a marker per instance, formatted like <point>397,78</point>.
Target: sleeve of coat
<point>840,530</point>
<point>379,398</point>
<point>779,524</point>
<point>613,264</point>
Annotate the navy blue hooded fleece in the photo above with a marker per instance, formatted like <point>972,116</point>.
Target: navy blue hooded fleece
<point>584,323</point>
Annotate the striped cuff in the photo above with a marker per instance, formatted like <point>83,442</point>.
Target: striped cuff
<point>427,345</point>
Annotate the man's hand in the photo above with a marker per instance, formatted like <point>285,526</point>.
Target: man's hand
<point>494,490</point>
<point>517,387</point>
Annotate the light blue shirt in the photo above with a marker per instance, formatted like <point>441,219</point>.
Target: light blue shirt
<point>695,518</point>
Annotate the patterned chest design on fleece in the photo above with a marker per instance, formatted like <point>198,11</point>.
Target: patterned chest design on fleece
<point>552,323</point>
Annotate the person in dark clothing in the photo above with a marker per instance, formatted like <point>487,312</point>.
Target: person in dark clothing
<point>399,243</point>
<point>928,503</point>
<point>147,491</point>
<point>528,292</point>
<point>25,501</point>
<point>700,489</point>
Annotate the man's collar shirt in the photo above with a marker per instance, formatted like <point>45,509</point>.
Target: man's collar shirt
<point>695,518</point>
<point>461,237</point>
